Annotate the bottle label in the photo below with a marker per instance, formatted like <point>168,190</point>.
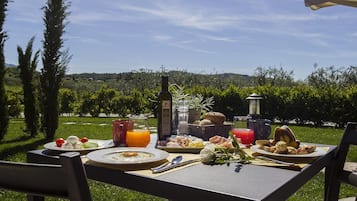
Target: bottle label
<point>166,124</point>
<point>166,104</point>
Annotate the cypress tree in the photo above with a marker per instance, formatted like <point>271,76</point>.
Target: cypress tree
<point>27,70</point>
<point>54,62</point>
<point>4,113</point>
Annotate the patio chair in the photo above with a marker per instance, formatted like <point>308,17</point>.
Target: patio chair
<point>338,174</point>
<point>67,180</point>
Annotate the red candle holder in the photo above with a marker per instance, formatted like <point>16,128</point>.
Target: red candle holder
<point>246,135</point>
<point>119,131</point>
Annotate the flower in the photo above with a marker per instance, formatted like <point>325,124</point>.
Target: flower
<point>207,155</point>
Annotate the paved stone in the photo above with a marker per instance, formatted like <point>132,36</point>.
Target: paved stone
<point>348,199</point>
<point>351,166</point>
<point>69,123</point>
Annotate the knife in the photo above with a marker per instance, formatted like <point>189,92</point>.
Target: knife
<point>275,161</point>
<point>169,167</point>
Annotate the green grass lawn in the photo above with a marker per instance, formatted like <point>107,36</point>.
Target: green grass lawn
<point>16,144</point>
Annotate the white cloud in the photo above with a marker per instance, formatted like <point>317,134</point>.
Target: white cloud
<point>82,39</point>
<point>162,37</point>
<point>217,38</point>
<point>88,17</point>
<point>354,34</point>
<point>180,16</point>
<point>203,27</point>
<point>184,45</point>
<point>24,11</point>
<point>206,18</point>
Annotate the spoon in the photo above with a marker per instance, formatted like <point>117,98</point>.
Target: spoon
<point>175,160</point>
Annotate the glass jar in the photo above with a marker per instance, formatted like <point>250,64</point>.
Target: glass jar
<point>182,110</point>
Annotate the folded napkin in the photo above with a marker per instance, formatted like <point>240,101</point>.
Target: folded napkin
<point>298,162</point>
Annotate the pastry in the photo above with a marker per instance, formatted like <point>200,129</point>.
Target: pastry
<point>284,133</point>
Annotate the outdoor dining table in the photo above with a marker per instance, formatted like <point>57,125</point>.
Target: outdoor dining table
<point>232,181</point>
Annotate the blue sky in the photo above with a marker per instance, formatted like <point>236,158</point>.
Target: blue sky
<point>201,36</point>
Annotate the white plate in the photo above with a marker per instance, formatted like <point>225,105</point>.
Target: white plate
<point>176,148</point>
<point>101,145</point>
<point>115,155</point>
<point>194,150</point>
<point>318,152</point>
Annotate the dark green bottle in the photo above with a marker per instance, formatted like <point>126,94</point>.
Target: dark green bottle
<point>164,110</point>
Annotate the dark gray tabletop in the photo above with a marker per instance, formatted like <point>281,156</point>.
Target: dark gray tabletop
<point>204,182</point>
<point>218,182</point>
<point>248,181</point>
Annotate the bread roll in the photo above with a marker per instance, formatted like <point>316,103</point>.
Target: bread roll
<point>216,118</point>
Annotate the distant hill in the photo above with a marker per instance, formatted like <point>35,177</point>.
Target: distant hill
<point>140,79</point>
<point>151,80</point>
<point>172,74</point>
<point>10,66</point>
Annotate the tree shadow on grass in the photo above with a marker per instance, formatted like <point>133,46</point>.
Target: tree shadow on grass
<point>19,139</point>
<point>21,148</point>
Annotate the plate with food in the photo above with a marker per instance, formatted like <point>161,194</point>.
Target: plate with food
<point>74,143</point>
<point>127,155</point>
<point>318,151</point>
<point>285,144</point>
<point>182,144</point>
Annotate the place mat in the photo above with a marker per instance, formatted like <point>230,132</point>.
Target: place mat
<point>299,162</point>
<point>144,169</point>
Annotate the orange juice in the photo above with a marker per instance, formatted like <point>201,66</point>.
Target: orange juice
<point>137,138</point>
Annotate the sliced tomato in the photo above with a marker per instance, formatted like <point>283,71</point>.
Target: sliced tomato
<point>59,142</point>
<point>84,139</point>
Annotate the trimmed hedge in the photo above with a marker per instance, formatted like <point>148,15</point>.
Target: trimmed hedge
<point>301,103</point>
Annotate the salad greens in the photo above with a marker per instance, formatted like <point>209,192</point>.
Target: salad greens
<point>214,154</point>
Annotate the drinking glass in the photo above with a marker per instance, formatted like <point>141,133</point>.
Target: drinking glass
<point>140,135</point>
<point>119,131</point>
<point>240,130</point>
<point>261,127</point>
<point>245,135</point>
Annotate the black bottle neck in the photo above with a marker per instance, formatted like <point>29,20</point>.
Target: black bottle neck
<point>164,83</point>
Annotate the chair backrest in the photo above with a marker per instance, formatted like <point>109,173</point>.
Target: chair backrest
<point>337,173</point>
<point>67,180</point>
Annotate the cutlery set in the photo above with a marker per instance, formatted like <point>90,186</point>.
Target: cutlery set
<point>176,162</point>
